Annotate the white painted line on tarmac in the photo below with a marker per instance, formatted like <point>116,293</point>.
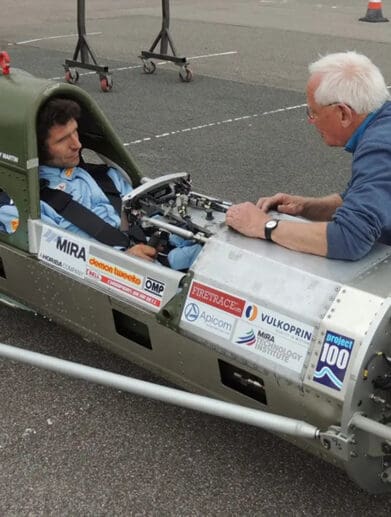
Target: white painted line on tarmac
<point>51,37</point>
<point>229,53</point>
<point>132,67</point>
<point>211,124</point>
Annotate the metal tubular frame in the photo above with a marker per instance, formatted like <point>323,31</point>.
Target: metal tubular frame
<point>262,419</point>
<point>82,47</point>
<point>165,41</point>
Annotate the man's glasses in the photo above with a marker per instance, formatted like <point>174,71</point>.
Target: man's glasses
<point>313,116</point>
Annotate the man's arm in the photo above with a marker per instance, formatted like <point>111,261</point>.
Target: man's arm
<point>249,220</point>
<point>312,208</point>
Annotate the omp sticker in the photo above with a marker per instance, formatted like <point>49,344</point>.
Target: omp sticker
<point>333,360</point>
<point>275,347</point>
<point>154,286</point>
<point>279,324</point>
<point>215,298</point>
<point>62,252</point>
<point>205,317</point>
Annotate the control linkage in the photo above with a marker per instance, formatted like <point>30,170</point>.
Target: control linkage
<point>166,203</point>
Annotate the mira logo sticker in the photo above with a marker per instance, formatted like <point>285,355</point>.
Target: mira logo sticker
<point>333,361</point>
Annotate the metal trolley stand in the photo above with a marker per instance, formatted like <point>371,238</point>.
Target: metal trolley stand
<point>84,50</point>
<point>165,39</point>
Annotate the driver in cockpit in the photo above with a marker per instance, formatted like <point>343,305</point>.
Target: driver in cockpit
<point>82,198</point>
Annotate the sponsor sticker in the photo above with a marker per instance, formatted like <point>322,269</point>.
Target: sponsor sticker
<point>60,251</point>
<point>123,288</point>
<point>278,324</point>
<point>333,360</point>
<point>99,265</point>
<point>119,279</point>
<point>275,347</point>
<point>9,157</point>
<point>206,317</point>
<point>154,286</point>
<point>215,298</point>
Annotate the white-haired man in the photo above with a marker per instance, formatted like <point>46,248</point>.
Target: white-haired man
<point>349,105</point>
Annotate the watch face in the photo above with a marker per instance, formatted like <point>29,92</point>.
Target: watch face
<point>271,224</point>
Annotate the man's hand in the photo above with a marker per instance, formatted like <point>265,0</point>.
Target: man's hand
<point>142,251</point>
<point>247,219</point>
<point>284,203</point>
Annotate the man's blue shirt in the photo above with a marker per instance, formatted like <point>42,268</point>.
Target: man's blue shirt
<point>365,214</point>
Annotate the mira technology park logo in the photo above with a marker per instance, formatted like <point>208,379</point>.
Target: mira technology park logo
<point>333,360</point>
<point>248,338</point>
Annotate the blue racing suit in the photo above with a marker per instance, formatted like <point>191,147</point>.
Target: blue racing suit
<point>83,188</point>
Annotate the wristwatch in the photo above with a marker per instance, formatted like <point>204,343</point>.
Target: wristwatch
<point>269,227</point>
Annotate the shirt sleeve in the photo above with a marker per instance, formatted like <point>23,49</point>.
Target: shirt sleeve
<point>365,212</point>
<point>123,186</point>
<point>9,218</point>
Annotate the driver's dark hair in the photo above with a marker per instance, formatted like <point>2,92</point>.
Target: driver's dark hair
<point>58,111</point>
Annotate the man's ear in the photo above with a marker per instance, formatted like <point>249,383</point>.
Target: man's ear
<point>347,115</point>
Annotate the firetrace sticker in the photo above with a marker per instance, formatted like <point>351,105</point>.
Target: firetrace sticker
<point>68,254</point>
<point>333,360</point>
<point>218,299</point>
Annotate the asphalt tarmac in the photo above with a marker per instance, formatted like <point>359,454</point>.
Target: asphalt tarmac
<point>68,447</point>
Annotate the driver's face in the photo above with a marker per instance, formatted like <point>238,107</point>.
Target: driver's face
<point>63,145</point>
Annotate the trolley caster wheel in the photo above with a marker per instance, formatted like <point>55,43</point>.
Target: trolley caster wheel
<point>185,74</point>
<point>71,76</point>
<point>106,83</point>
<point>149,67</point>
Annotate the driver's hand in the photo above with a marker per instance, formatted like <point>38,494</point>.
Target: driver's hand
<point>142,251</point>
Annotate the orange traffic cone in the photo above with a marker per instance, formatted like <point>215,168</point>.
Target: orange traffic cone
<point>374,12</point>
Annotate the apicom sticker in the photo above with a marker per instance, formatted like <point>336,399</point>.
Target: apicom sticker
<point>207,318</point>
<point>333,361</point>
